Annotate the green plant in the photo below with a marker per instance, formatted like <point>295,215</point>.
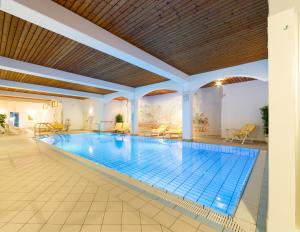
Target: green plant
<point>119,118</point>
<point>264,111</point>
<point>2,119</point>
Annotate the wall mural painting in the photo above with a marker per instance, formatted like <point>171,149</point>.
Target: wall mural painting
<point>160,114</point>
<point>200,123</point>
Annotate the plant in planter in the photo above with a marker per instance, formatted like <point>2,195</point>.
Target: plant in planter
<point>264,111</point>
<point>119,118</point>
<point>2,119</point>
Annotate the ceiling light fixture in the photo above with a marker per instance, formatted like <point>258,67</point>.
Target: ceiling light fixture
<point>218,82</point>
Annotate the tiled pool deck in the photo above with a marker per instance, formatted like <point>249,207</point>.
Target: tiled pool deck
<point>41,190</point>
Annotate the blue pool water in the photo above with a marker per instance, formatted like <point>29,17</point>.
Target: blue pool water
<point>212,175</point>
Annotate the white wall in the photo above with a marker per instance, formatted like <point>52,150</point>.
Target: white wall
<point>208,101</point>
<point>84,114</point>
<point>113,108</point>
<point>241,104</point>
<point>27,108</point>
<point>92,113</point>
<point>73,109</point>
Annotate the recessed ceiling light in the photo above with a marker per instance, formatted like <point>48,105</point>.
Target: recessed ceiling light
<point>218,82</point>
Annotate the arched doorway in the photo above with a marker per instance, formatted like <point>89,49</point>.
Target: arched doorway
<point>226,104</point>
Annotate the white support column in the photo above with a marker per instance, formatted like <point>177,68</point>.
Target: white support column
<point>134,104</point>
<point>283,45</point>
<point>187,115</point>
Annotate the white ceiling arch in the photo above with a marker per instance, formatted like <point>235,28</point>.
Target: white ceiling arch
<point>257,70</point>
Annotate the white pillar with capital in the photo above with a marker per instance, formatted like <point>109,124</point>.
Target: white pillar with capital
<point>134,104</point>
<point>187,115</point>
<point>284,105</point>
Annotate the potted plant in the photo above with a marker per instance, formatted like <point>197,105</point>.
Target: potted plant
<point>2,119</point>
<point>264,111</point>
<point>119,118</point>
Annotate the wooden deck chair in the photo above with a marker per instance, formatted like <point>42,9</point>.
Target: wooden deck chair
<point>159,131</point>
<point>177,132</point>
<point>125,128</point>
<point>243,133</point>
<point>58,126</point>
<point>118,127</point>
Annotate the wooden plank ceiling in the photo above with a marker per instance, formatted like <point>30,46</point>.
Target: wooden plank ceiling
<point>27,42</point>
<point>25,78</point>
<point>192,35</point>
<point>36,92</point>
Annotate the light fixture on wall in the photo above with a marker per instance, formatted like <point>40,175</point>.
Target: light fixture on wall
<point>54,104</point>
<point>218,82</point>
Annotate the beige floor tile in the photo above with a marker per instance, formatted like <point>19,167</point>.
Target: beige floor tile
<point>181,225</point>
<point>76,218</point>
<point>131,228</point>
<point>11,227</point>
<point>19,205</point>
<point>101,196</point>
<point>40,217</point>
<point>72,197</point>
<point>190,221</point>
<point>126,196</point>
<point>51,206</point>
<point>58,197</point>
<point>6,216</point>
<point>70,228</point>
<point>205,228</point>
<point>131,218</point>
<point>23,217</point>
<point>4,204</point>
<point>112,218</point>
<point>145,220</point>
<point>151,228</point>
<point>111,228</point>
<point>50,228</point>
<point>91,228</point>
<point>91,189</point>
<point>98,206</point>
<point>170,211</point>
<point>114,206</point>
<point>31,228</point>
<point>66,206</point>
<point>165,229</point>
<point>136,202</point>
<point>94,218</point>
<point>165,219</point>
<point>149,210</point>
<point>35,205</point>
<point>44,197</point>
<point>58,218</point>
<point>127,207</point>
<point>87,197</point>
<point>82,206</point>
